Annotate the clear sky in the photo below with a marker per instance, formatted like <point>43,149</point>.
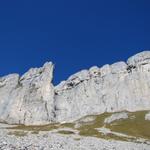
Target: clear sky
<point>74,34</point>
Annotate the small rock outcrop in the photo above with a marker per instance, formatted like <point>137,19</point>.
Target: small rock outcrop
<point>115,117</point>
<point>33,100</point>
<point>147,116</point>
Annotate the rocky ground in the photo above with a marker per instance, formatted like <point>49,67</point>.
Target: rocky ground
<point>12,139</point>
<point>53,141</point>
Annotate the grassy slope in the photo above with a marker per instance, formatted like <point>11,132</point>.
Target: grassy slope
<point>135,125</point>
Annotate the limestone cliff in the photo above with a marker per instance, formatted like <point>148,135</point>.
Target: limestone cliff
<point>28,99</point>
<point>117,87</point>
<point>33,100</point>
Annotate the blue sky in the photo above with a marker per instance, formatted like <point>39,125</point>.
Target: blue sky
<point>73,34</point>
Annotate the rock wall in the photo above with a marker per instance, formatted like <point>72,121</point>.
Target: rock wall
<point>28,99</point>
<point>111,88</point>
<point>33,100</point>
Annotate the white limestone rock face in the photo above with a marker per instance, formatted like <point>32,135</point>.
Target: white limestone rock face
<point>139,59</point>
<point>116,116</point>
<point>111,88</point>
<point>32,99</point>
<point>147,116</point>
<point>28,99</point>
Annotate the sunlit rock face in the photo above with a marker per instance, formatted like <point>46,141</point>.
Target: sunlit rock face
<point>147,116</point>
<point>111,88</point>
<point>33,100</point>
<point>116,117</point>
<point>28,99</point>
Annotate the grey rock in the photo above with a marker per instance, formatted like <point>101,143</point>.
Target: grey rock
<point>111,88</point>
<point>139,59</point>
<point>33,100</point>
<point>147,116</point>
<point>28,99</point>
<point>119,67</point>
<point>115,117</point>
<point>64,142</point>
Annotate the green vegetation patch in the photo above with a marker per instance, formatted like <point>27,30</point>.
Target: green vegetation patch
<point>67,125</point>
<point>18,133</point>
<point>35,132</point>
<point>35,128</point>
<point>66,132</point>
<point>90,129</point>
<point>135,125</point>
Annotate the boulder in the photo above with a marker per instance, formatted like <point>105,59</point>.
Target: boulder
<point>116,117</point>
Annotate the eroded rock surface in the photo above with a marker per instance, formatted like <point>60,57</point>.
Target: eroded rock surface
<point>28,99</point>
<point>111,88</point>
<point>33,100</point>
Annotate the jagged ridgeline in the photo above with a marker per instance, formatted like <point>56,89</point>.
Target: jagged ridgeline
<point>33,100</point>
